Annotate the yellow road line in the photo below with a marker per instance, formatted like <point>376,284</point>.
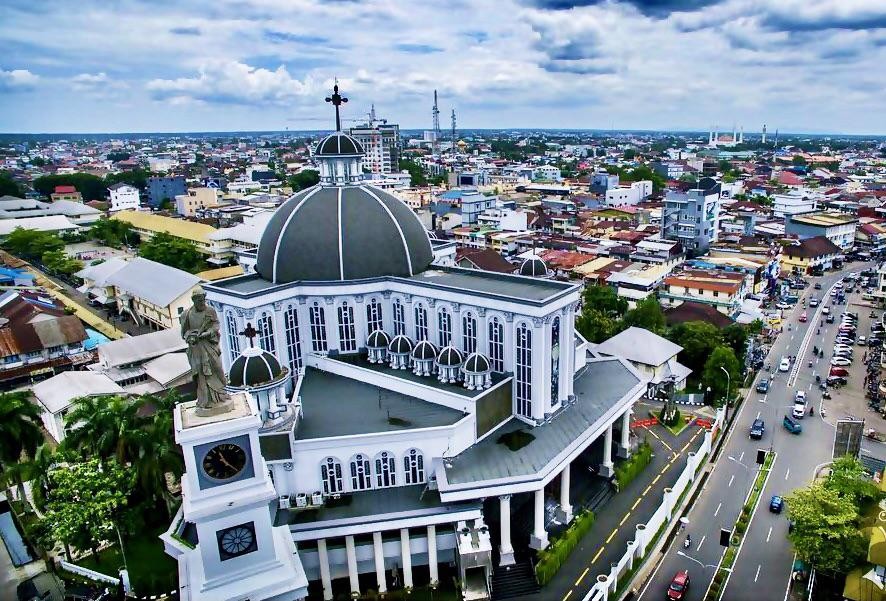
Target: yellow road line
<point>566,596</point>
<point>597,556</point>
<point>637,502</point>
<point>654,480</point>
<point>624,519</point>
<point>666,445</point>
<point>583,574</point>
<point>648,488</point>
<point>611,536</point>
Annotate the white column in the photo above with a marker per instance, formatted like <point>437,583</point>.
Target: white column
<point>351,553</point>
<point>432,554</point>
<point>539,538</point>
<point>379,562</point>
<point>606,467</point>
<point>565,512</point>
<point>505,550</point>
<point>406,556</point>
<point>324,569</point>
<point>624,445</point>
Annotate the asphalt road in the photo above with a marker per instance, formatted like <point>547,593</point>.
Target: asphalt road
<point>763,567</point>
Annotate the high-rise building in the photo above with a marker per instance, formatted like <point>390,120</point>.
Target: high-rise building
<point>381,142</point>
<point>692,217</point>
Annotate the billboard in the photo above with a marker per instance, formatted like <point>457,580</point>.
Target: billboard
<point>847,438</point>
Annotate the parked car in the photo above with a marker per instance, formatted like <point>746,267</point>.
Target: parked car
<point>841,361</point>
<point>826,310</point>
<point>763,386</point>
<point>839,371</point>
<point>791,425</point>
<point>679,585</point>
<point>836,380</point>
<point>785,365</point>
<point>842,347</point>
<point>843,340</point>
<point>757,429</point>
<point>861,341</point>
<point>784,306</point>
<point>829,319</point>
<point>776,504</point>
<point>847,354</point>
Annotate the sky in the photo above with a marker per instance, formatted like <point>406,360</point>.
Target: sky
<point>226,65</point>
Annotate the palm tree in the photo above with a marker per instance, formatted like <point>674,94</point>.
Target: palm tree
<point>106,426</point>
<point>20,435</point>
<point>158,455</point>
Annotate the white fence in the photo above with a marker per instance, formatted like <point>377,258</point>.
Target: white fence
<point>86,572</point>
<point>607,584</point>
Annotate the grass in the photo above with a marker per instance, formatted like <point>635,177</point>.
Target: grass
<point>628,470</point>
<point>151,571</point>
<point>555,555</point>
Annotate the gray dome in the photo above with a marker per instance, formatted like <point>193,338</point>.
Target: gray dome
<point>449,357</point>
<point>477,363</point>
<point>378,339</point>
<point>254,367</point>
<point>400,345</point>
<point>339,144</point>
<point>424,350</point>
<point>534,267</point>
<point>329,233</point>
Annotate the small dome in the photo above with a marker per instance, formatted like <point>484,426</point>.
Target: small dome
<point>534,267</point>
<point>477,363</point>
<point>378,339</point>
<point>449,357</point>
<point>424,350</point>
<point>339,144</point>
<point>400,345</point>
<point>254,367</point>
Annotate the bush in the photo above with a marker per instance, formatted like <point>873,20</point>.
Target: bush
<point>551,559</point>
<point>672,422</point>
<point>631,468</point>
<point>741,526</point>
<point>718,578</point>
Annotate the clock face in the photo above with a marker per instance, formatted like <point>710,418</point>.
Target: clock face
<point>224,461</point>
<point>236,541</point>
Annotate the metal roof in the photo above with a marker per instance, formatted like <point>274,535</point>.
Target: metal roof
<point>155,282</point>
<point>56,393</point>
<point>639,345</point>
<point>137,349</point>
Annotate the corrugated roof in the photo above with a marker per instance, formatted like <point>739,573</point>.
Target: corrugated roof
<point>198,232</point>
<point>157,283</point>
<point>168,368</point>
<point>137,349</point>
<point>56,393</point>
<point>639,345</point>
<point>101,272</point>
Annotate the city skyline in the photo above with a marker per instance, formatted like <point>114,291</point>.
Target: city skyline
<point>262,65</point>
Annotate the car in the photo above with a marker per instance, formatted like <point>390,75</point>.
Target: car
<point>875,342</point>
<point>825,310</point>
<point>838,285</point>
<point>803,317</point>
<point>817,286</point>
<point>763,386</point>
<point>800,397</point>
<point>839,371</point>
<point>679,585</point>
<point>813,302</point>
<point>841,361</point>
<point>798,411</point>
<point>785,365</point>
<point>757,429</point>
<point>829,319</point>
<point>842,347</point>
<point>847,340</point>
<point>784,306</point>
<point>776,504</point>
<point>861,341</point>
<point>834,292</point>
<point>791,425</point>
<point>842,352</point>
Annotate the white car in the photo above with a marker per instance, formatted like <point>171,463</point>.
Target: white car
<point>825,310</point>
<point>861,341</point>
<point>785,365</point>
<point>838,285</point>
<point>800,397</point>
<point>841,361</point>
<point>784,306</point>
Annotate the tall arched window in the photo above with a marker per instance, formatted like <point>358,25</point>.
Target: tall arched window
<point>385,470</point>
<point>373,316</point>
<point>399,318</point>
<point>233,337</point>
<point>444,327</point>
<point>523,370</point>
<point>330,474</point>
<point>496,345</point>
<point>361,476</point>
<point>266,333</point>
<point>293,348</point>
<point>317,317</point>
<point>421,323</point>
<point>347,334</point>
<point>414,466</point>
<point>555,360</point>
<point>469,333</point>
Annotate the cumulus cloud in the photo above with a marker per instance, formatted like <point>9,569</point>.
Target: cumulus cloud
<point>17,80</point>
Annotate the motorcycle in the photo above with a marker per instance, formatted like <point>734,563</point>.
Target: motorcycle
<point>687,543</point>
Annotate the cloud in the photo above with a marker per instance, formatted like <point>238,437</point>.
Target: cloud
<point>654,8</point>
<point>17,80</point>
<point>417,48</point>
<point>282,37</point>
<point>185,31</point>
<point>799,15</point>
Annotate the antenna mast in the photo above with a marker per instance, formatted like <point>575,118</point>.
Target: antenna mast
<point>453,132</point>
<point>435,113</point>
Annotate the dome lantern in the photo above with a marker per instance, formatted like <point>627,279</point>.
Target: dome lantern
<point>377,346</point>
<point>449,364</point>
<point>399,351</point>
<point>477,371</point>
<point>423,356</point>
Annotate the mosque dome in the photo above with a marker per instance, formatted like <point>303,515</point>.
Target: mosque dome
<point>338,144</point>
<point>400,345</point>
<point>254,367</point>
<point>534,267</point>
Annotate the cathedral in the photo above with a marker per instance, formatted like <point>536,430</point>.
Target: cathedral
<point>390,412</point>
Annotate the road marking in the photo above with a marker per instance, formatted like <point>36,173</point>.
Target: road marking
<point>718,509</point>
<point>566,596</point>
<point>740,457</point>
<point>757,575</point>
<point>611,536</point>
<point>666,445</point>
<point>787,474</point>
<point>769,534</point>
<point>731,479</point>
<point>698,548</point>
<point>792,336</point>
<point>585,573</point>
<point>637,502</point>
<point>597,556</point>
<point>758,415</point>
<point>810,385</point>
<point>624,519</point>
<point>654,480</point>
<point>648,488</point>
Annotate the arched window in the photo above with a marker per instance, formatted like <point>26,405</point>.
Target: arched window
<point>421,323</point>
<point>317,316</point>
<point>373,316</point>
<point>361,476</point>
<point>330,474</point>
<point>233,337</point>
<point>266,333</point>
<point>496,345</point>
<point>347,335</point>
<point>444,327</point>
<point>555,360</point>
<point>385,470</point>
<point>414,467</point>
<point>523,370</point>
<point>293,346</point>
<point>399,318</point>
<point>469,333</point>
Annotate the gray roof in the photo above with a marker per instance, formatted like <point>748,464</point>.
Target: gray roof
<point>342,233</point>
<point>152,281</point>
<point>487,282</point>
<point>640,346</point>
<point>334,405</point>
<point>339,144</point>
<point>137,349</point>
<point>17,208</point>
<point>168,368</point>
<point>599,386</point>
<point>101,272</point>
<point>56,393</point>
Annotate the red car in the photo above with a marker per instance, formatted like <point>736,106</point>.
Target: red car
<point>839,371</point>
<point>679,585</point>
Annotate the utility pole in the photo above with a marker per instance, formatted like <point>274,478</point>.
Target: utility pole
<point>435,114</point>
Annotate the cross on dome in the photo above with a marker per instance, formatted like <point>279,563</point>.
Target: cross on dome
<point>337,100</point>
<point>250,333</point>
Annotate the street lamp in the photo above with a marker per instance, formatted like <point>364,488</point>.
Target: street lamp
<point>747,469</point>
<point>728,386</point>
<point>704,565</point>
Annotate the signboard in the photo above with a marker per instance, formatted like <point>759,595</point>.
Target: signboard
<point>847,437</point>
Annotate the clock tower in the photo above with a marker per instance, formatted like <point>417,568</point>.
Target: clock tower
<point>227,498</point>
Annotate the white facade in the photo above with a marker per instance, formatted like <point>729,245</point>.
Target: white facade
<point>122,198</point>
<point>794,202</point>
<point>629,194</point>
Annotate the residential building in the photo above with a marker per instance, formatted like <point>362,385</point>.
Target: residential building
<point>165,187</point>
<point>668,170</point>
<point>808,255</point>
<point>381,143</point>
<point>548,173</point>
<point>68,193</point>
<point>56,396</point>
<point>692,218</point>
<point>188,204</point>
<point>722,290</point>
<point>146,225</point>
<point>839,228</point>
<point>628,194</point>
<point>651,355</point>
<point>152,293</point>
<point>486,259</point>
<point>146,364</point>
<point>603,181</point>
<point>688,311</point>
<point>96,286</point>
<point>794,202</point>
<point>123,197</point>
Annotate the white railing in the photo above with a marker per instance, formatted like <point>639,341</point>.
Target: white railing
<point>86,572</point>
<point>667,512</point>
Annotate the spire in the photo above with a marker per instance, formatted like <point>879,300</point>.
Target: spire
<point>337,100</point>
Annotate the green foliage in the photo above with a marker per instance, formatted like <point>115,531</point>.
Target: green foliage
<point>798,160</point>
<point>629,154</point>
<point>91,187</point>
<point>647,314</point>
<point>175,252</point>
<point>601,309</point>
<point>627,471</point>
<point>674,418</point>
<point>133,177</point>
<point>10,187</point>
<point>57,262</point>
<point>304,179</point>
<point>551,559</point>
<point>736,337</point>
<point>118,156</point>
<point>113,232</point>
<point>713,376</point>
<point>849,479</point>
<point>31,244</point>
<point>416,173</point>
<point>20,434</point>
<point>698,339</point>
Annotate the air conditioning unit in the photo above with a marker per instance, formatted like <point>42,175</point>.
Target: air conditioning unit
<point>301,500</point>
<point>317,498</point>
<point>284,502</point>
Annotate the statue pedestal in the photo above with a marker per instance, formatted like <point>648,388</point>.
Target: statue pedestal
<point>217,409</point>
<point>235,407</point>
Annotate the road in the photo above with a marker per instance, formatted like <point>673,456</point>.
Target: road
<point>763,567</point>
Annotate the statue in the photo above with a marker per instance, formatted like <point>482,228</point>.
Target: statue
<point>200,329</point>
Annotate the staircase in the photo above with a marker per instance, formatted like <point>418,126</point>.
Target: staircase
<point>514,581</point>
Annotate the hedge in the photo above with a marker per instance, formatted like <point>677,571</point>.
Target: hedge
<point>631,468</point>
<point>551,559</point>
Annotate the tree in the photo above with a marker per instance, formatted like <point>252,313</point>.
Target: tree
<point>596,326</point>
<point>601,309</point>
<point>158,455</point>
<point>736,336</point>
<point>105,427</point>
<point>713,376</point>
<point>118,156</point>
<point>605,299</point>
<point>91,187</point>
<point>825,531</point>
<point>175,252</point>
<point>647,315</point>
<point>113,232</point>
<point>56,261</point>
<point>698,339</point>
<point>31,244</point>
<point>849,479</point>
<point>20,434</point>
<point>629,154</point>
<point>136,177</point>
<point>798,160</point>
<point>304,179</point>
<point>416,173</point>
<point>10,187</point>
